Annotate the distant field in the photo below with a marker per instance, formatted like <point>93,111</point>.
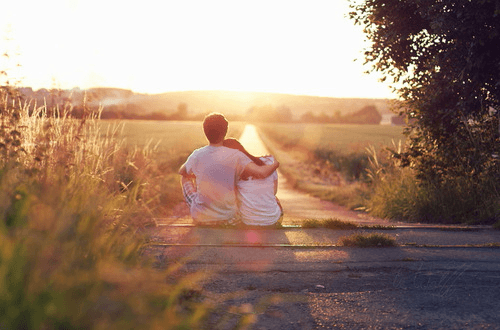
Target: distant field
<point>172,137</point>
<point>344,138</point>
<point>181,137</point>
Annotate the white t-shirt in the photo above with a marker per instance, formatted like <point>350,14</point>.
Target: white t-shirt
<point>217,170</point>
<point>256,199</point>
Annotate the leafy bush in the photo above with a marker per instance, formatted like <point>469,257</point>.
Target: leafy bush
<point>442,57</point>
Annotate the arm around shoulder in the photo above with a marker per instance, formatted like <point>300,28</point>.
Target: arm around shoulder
<point>260,172</point>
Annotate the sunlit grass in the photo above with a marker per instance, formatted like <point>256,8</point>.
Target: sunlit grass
<point>343,138</point>
<point>341,225</point>
<point>351,165</point>
<point>330,224</point>
<point>367,240</point>
<point>329,161</point>
<point>74,200</point>
<point>169,137</point>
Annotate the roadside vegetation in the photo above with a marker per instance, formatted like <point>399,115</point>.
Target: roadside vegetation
<point>76,198</point>
<point>341,225</point>
<point>355,166</point>
<point>444,64</point>
<point>443,60</point>
<point>330,224</point>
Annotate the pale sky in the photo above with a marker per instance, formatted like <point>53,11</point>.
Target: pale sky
<point>154,46</point>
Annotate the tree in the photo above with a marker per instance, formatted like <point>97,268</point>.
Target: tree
<point>443,56</point>
<point>308,117</point>
<point>182,110</point>
<point>283,114</point>
<point>366,115</point>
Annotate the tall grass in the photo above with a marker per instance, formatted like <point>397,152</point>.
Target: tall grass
<point>343,138</point>
<point>73,200</point>
<point>398,193</point>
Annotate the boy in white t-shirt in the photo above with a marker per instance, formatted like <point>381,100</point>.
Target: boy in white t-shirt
<point>210,174</point>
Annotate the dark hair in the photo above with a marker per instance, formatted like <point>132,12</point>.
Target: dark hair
<point>235,144</point>
<point>215,127</point>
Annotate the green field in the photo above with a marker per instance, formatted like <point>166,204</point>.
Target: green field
<point>343,138</point>
<point>174,140</point>
<point>184,136</point>
<point>330,161</point>
<point>170,137</point>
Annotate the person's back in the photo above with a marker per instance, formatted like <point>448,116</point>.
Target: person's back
<point>215,169</point>
<point>257,202</point>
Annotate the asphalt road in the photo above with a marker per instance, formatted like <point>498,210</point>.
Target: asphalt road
<point>301,279</point>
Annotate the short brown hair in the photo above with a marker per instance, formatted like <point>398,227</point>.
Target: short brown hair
<point>215,127</point>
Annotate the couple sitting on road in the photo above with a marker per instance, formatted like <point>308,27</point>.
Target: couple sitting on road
<point>224,184</point>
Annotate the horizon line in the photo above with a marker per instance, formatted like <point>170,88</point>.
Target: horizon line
<point>209,90</point>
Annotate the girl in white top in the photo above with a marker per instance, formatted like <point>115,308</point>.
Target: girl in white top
<point>257,201</point>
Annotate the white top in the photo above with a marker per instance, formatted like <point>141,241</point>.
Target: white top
<point>257,202</point>
<point>217,170</point>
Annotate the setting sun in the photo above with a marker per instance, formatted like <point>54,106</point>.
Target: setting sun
<point>155,47</point>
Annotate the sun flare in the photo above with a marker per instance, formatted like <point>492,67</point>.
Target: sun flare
<point>262,46</point>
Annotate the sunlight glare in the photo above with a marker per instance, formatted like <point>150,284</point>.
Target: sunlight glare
<point>252,237</point>
<point>154,47</point>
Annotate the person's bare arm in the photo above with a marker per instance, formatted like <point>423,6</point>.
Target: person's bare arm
<point>184,173</point>
<point>259,172</point>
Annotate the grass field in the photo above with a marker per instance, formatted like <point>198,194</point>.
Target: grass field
<point>345,149</point>
<point>343,138</point>
<point>170,137</point>
<point>331,161</point>
<point>181,137</point>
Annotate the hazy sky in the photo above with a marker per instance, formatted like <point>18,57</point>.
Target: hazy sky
<point>298,47</point>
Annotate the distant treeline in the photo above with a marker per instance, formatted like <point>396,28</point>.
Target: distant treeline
<point>366,115</point>
<point>268,114</point>
<point>113,103</point>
